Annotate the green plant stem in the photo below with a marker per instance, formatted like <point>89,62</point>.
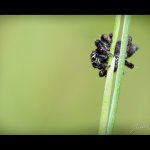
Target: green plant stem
<point>109,80</point>
<point>119,75</point>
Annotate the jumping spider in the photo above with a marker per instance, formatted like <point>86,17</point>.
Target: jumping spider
<point>99,57</point>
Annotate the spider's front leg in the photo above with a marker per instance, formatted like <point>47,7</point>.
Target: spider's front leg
<point>103,73</point>
<point>129,40</point>
<point>129,65</point>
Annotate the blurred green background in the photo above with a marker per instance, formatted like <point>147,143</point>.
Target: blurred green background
<point>47,83</point>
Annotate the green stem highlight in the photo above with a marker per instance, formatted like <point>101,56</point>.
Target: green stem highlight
<point>109,80</point>
<point>119,75</point>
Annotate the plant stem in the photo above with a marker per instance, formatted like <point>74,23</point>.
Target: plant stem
<point>109,80</point>
<point>114,104</point>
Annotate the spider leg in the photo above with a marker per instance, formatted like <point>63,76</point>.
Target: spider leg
<point>104,37</point>
<point>129,40</point>
<point>103,73</point>
<point>129,65</point>
<point>116,63</point>
<point>102,57</point>
<point>110,35</point>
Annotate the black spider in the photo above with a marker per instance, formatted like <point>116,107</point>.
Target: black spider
<point>99,57</point>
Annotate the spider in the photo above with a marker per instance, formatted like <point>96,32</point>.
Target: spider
<point>99,57</point>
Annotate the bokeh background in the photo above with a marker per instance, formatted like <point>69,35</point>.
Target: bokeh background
<point>48,86</point>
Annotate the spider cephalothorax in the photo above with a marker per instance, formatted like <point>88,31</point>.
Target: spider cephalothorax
<point>99,57</point>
